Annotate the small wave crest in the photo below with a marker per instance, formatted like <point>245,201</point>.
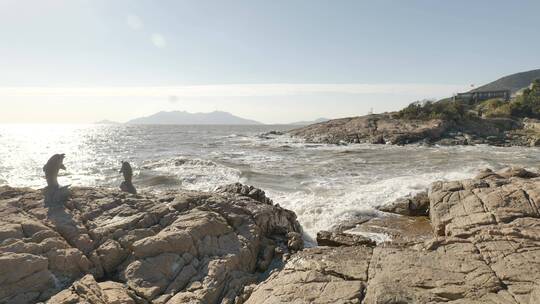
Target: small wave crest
<point>159,180</point>
<point>191,173</point>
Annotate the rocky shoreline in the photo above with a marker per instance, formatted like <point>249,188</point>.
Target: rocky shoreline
<point>387,129</point>
<point>469,241</point>
<point>484,247</point>
<point>106,246</point>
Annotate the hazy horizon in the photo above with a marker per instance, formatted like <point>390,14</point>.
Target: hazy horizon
<point>274,62</point>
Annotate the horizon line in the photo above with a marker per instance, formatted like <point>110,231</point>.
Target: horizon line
<point>235,90</point>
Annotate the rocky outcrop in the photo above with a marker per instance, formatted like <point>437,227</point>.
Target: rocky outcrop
<point>485,248</point>
<point>245,190</point>
<point>388,129</point>
<point>105,246</point>
<point>376,129</point>
<point>413,205</point>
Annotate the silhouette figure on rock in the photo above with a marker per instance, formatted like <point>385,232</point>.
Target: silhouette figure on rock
<point>53,192</point>
<point>127,185</point>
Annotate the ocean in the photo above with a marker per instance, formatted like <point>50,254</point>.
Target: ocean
<point>324,184</point>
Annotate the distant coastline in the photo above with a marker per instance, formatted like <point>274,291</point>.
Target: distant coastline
<point>505,112</point>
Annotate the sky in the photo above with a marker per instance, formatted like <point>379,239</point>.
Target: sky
<point>81,61</point>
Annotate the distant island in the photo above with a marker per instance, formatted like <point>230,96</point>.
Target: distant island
<point>106,122</point>
<point>305,123</point>
<point>186,118</point>
<point>505,112</point>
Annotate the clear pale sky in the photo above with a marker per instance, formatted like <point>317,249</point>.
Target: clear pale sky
<point>274,61</point>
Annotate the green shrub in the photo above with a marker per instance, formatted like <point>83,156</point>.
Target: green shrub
<point>495,107</point>
<point>425,110</point>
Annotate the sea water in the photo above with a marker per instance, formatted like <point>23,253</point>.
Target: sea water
<point>324,184</point>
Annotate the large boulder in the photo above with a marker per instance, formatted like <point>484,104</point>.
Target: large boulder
<point>413,205</point>
<point>176,247</point>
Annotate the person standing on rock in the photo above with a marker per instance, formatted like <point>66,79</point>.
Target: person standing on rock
<point>127,185</point>
<point>53,192</point>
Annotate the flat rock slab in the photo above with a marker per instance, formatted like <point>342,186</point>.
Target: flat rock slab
<point>498,212</point>
<point>318,275</point>
<point>451,272</point>
<point>395,228</point>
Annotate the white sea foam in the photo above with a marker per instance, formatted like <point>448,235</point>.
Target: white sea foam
<point>323,209</point>
<point>195,174</point>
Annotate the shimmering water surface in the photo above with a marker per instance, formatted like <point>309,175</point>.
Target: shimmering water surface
<point>323,184</point>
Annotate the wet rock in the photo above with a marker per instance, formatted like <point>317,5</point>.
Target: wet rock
<point>295,241</point>
<point>338,239</point>
<point>414,205</point>
<point>392,228</point>
<point>245,190</point>
<point>175,247</point>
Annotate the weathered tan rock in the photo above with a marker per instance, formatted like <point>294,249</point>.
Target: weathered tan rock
<point>23,277</point>
<point>87,290</point>
<point>499,214</point>
<point>317,275</point>
<point>178,247</point>
<point>452,271</point>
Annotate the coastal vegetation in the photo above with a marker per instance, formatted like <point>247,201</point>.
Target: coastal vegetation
<point>428,109</point>
<point>524,105</point>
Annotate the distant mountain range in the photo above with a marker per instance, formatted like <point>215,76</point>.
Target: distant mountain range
<point>186,118</point>
<point>514,82</point>
<point>106,122</point>
<point>305,123</point>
